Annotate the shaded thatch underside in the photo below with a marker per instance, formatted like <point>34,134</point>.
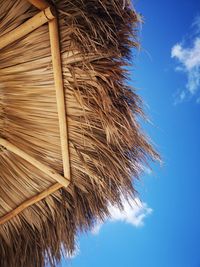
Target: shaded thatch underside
<point>107,147</point>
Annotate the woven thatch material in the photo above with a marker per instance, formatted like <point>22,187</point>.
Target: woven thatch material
<point>107,147</point>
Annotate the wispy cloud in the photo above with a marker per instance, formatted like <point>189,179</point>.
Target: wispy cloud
<point>134,213</point>
<point>188,62</point>
<point>196,25</point>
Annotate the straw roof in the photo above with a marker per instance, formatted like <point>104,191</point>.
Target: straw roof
<point>106,145</point>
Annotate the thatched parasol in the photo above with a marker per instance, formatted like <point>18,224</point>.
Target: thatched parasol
<point>70,141</point>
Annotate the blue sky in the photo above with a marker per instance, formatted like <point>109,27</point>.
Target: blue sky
<point>164,229</point>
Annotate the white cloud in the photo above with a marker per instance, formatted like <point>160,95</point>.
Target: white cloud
<point>146,169</point>
<point>188,58</point>
<point>196,24</point>
<point>95,230</point>
<point>134,213</point>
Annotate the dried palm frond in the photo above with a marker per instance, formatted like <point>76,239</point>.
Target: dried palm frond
<point>106,145</point>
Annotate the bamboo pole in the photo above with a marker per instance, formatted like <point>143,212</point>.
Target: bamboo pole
<point>40,4</point>
<point>59,86</point>
<point>29,202</point>
<point>27,27</point>
<point>44,168</point>
<point>60,97</point>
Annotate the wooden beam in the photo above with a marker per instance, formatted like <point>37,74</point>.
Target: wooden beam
<point>40,4</point>
<point>59,86</point>
<point>31,201</point>
<point>44,168</point>
<point>60,97</point>
<point>27,27</point>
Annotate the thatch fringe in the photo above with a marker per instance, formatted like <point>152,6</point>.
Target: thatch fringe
<point>107,146</point>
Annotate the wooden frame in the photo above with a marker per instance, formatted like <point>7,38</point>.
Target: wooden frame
<point>29,202</point>
<point>41,166</point>
<point>27,27</point>
<point>46,15</point>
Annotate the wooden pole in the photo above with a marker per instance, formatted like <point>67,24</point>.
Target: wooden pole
<point>44,168</point>
<point>40,4</point>
<point>27,27</point>
<point>60,97</point>
<point>27,203</point>
<point>59,86</point>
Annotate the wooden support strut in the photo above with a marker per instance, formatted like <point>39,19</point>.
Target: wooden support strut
<point>61,181</point>
<point>27,27</point>
<point>41,166</point>
<point>59,86</point>
<point>60,97</point>
<point>29,202</point>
